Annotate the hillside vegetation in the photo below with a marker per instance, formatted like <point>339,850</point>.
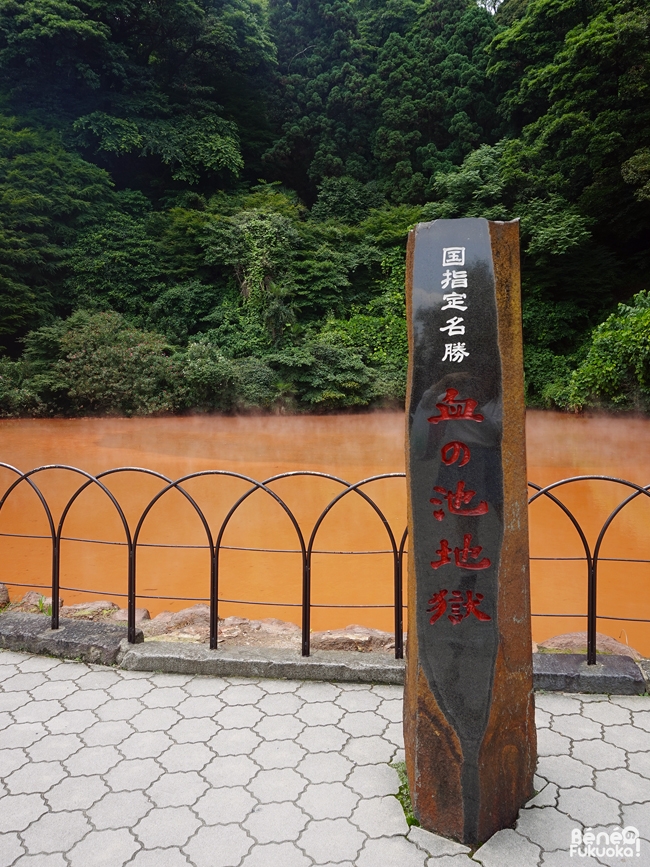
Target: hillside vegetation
<point>205,204</point>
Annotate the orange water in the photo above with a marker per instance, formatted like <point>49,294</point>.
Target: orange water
<point>349,446</point>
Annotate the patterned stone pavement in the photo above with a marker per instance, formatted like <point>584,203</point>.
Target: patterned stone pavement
<point>101,768</point>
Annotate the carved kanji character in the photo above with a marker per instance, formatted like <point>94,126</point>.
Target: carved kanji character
<point>452,451</point>
<point>471,606</point>
<point>438,603</point>
<point>452,409</point>
<point>463,554</point>
<point>457,601</point>
<point>458,498</point>
<point>443,552</point>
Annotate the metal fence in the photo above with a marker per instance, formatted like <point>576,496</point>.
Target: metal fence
<point>305,539</point>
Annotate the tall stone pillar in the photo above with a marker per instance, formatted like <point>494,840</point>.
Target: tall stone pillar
<point>468,709</point>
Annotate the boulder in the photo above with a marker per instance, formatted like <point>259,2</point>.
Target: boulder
<point>576,642</point>
<point>97,610</point>
<point>32,599</point>
<point>122,614</point>
<point>353,637</point>
<point>4,595</point>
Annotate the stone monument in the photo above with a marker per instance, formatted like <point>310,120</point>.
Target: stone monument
<point>468,709</point>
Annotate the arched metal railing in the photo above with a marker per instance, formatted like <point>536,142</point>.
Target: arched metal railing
<point>306,539</point>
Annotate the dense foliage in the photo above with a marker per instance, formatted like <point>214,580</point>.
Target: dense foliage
<point>205,203</point>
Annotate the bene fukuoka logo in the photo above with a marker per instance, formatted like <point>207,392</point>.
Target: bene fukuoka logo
<point>619,843</point>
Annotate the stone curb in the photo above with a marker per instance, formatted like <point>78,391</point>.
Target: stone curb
<point>569,672</point>
<point>84,640</point>
<point>274,663</point>
<point>106,643</point>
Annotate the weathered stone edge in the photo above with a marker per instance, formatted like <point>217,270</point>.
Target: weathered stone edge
<point>569,672</point>
<point>343,666</point>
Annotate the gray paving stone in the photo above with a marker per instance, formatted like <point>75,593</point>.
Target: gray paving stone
<point>119,810</point>
<point>76,793</point>
<point>276,855</point>
<point>55,832</point>
<point>239,716</point>
<point>35,777</point>
<point>286,686</point>
<point>639,763</point>
<point>200,706</point>
<point>190,757</point>
<point>391,709</point>
<point>56,860</point>
<point>434,844</point>
<point>320,713</point>
<point>550,743</point>
<point>325,767</point>
<point>71,721</point>
<point>328,801</point>
<point>11,760</point>
<point>607,713</point>
<point>359,700</point>
<point>599,754</point>
<point>333,840</point>
<point>159,858</point>
<point>225,806</point>
<point>391,850</point>
<point>626,787</point>
<point>314,691</point>
<point>10,849</point>
<point>234,742</point>
<point>380,817</point>
<point>637,816</point>
<point>155,719</point>
<point>11,700</point>
<point>21,735</point>
<point>248,693</point>
<point>546,797</point>
<point>628,738</point>
<point>322,739</point>
<point>38,711</point>
<point>119,709</point>
<point>97,678</point>
<point>229,771</point>
<point>367,751</point>
<point>130,688</point>
<point>54,748</point>
<point>374,780</point>
<point>205,686</point>
<point>577,728</point>
<point>631,702</point>
<point>92,760</point>
<point>145,745</point>
<point>272,728</point>
<point>23,682</point>
<point>277,784</point>
<point>564,771</point>
<point>164,696</point>
<point>561,859</point>
<point>557,704</point>
<point>395,734</point>
<point>194,730</point>
<point>19,811</point>
<point>508,849</point>
<point>546,827</point>
<point>641,720</point>
<point>103,849</point>
<point>103,733</point>
<point>275,823</point>
<point>222,846</point>
<point>588,806</point>
<point>278,754</point>
<point>86,699</point>
<point>133,774</point>
<point>57,690</point>
<point>542,718</point>
<point>280,703</point>
<point>166,826</point>
<point>176,790</point>
<point>362,723</point>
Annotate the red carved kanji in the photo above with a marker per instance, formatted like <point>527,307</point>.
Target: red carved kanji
<point>443,552</point>
<point>471,606</point>
<point>438,605</point>
<point>457,601</point>
<point>452,451</point>
<point>452,409</point>
<point>455,500</point>
<point>463,554</point>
